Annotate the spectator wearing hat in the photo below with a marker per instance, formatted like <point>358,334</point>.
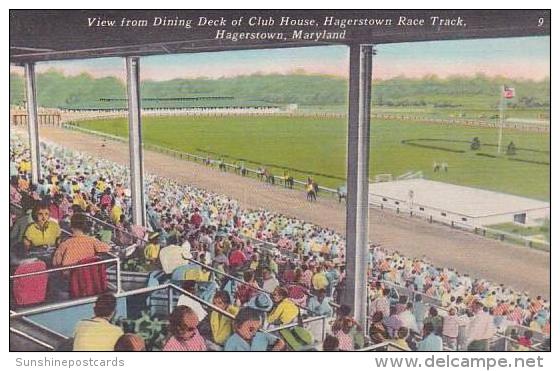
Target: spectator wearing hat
<point>98,334</point>
<point>152,249</point>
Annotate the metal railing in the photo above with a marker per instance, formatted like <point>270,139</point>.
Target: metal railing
<point>115,229</point>
<point>168,287</point>
<point>32,338</point>
<point>114,259</point>
<point>239,280</point>
<point>304,322</point>
<point>437,303</point>
<point>384,346</point>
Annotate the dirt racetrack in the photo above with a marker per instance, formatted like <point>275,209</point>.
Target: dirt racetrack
<point>515,266</point>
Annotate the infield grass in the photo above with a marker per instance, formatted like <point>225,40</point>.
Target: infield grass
<point>317,146</point>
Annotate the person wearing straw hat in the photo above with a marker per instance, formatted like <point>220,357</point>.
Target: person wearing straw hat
<point>151,251</point>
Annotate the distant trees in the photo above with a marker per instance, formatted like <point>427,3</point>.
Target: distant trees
<point>55,89</point>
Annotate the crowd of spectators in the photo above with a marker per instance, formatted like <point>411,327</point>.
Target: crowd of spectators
<point>300,272</point>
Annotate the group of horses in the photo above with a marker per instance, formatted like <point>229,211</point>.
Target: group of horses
<point>311,187</point>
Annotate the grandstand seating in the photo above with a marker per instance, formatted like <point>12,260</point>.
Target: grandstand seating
<point>209,226</point>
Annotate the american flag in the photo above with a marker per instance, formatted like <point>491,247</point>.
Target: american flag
<point>508,93</point>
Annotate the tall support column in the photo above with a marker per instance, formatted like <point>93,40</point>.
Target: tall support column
<point>135,141</point>
<point>359,98</point>
<point>32,122</point>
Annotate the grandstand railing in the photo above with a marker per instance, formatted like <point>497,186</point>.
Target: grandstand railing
<point>116,229</point>
<point>384,346</point>
<point>437,303</point>
<point>113,259</point>
<point>304,322</point>
<point>239,280</point>
<point>169,288</point>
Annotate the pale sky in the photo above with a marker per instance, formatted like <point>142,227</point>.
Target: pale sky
<point>527,57</point>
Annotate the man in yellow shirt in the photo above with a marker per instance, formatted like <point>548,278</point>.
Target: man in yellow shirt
<point>319,279</point>
<point>284,311</point>
<point>116,212</point>
<point>98,334</point>
<point>25,166</point>
<point>220,325</point>
<point>43,231</point>
<point>402,334</point>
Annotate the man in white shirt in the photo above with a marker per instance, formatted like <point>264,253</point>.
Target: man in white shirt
<point>190,286</point>
<point>481,329</point>
<point>408,320</point>
<point>269,281</point>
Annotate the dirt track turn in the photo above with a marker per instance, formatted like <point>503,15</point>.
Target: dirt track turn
<point>516,266</point>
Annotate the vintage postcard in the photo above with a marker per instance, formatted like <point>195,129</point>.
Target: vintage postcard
<point>279,180</point>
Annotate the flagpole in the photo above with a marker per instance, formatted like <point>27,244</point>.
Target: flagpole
<point>501,119</point>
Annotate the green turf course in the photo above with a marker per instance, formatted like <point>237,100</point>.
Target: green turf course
<point>318,145</point>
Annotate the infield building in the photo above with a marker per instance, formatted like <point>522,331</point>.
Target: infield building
<point>449,203</point>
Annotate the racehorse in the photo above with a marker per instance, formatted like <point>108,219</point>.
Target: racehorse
<point>288,181</point>
<point>342,193</point>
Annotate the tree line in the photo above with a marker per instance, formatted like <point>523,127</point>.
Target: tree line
<point>55,89</point>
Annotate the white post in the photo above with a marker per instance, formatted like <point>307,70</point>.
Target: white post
<point>501,119</point>
<point>135,141</point>
<point>359,103</point>
<point>32,122</point>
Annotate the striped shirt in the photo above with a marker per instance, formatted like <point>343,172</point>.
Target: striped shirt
<point>194,344</point>
<point>77,248</point>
